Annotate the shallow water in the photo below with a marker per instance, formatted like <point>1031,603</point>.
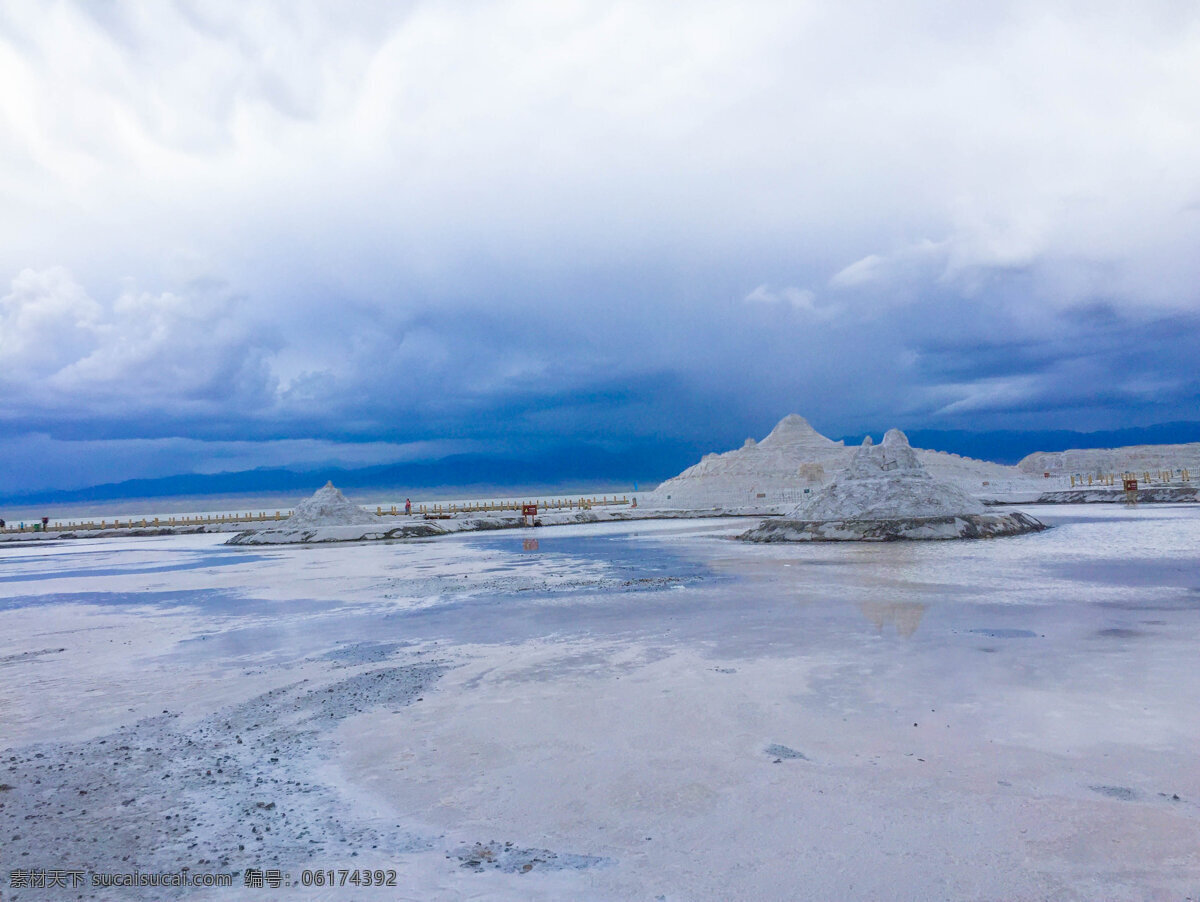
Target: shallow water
<point>1004,718</point>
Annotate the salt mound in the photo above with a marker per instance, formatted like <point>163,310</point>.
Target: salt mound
<point>794,456</point>
<point>794,460</point>
<point>886,493</point>
<point>795,433</point>
<point>327,507</point>
<point>883,482</point>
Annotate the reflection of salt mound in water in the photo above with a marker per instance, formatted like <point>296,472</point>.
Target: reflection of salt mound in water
<point>327,507</point>
<point>886,481</point>
<point>904,615</point>
<point>886,493</point>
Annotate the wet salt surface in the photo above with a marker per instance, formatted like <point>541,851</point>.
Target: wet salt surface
<point>197,562</point>
<point>598,715</point>
<point>209,601</point>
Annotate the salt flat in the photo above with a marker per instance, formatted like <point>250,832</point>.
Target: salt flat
<point>630,710</point>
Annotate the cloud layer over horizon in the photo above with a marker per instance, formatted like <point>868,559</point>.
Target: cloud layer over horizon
<point>423,227</point>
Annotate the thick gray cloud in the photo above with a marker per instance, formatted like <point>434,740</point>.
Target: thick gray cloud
<point>186,355</point>
<point>521,223</point>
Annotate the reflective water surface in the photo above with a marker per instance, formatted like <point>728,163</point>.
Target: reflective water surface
<point>646,709</point>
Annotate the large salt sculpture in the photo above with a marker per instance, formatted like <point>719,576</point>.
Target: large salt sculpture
<point>886,493</point>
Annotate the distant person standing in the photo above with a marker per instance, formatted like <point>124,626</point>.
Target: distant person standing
<point>45,523</point>
<point>408,505</point>
<point>1,523</point>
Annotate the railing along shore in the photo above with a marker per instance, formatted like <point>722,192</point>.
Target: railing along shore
<point>424,509</point>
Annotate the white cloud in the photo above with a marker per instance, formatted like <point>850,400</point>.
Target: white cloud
<point>47,322</point>
<point>986,395</point>
<point>802,299</point>
<point>427,206</point>
<point>141,352</point>
<point>436,132</point>
<point>861,272</point>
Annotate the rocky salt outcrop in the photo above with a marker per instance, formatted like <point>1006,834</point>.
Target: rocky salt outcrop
<point>885,493</point>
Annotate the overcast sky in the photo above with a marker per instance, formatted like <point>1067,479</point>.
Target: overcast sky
<point>235,235</point>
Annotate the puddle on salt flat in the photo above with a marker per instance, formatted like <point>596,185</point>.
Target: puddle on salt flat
<point>192,561</point>
<point>1118,633</point>
<point>626,556</point>
<point>204,601</point>
<point>1006,634</point>
<point>1163,571</point>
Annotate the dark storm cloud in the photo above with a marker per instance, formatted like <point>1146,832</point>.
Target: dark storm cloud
<point>522,225</point>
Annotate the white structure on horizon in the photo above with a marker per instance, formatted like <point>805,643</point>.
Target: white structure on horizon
<point>794,461</point>
<point>1130,458</point>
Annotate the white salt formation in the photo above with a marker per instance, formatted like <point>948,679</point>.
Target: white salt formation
<point>887,481</point>
<point>774,474</point>
<point>1132,458</point>
<point>983,478</point>
<point>759,474</point>
<point>327,507</point>
<point>886,493</point>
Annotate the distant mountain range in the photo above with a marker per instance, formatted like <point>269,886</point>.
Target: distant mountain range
<point>578,465</point>
<point>582,465</point>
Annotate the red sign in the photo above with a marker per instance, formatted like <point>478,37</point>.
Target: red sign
<point>1131,485</point>
<point>529,510</point>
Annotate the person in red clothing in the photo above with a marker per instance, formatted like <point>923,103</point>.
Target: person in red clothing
<point>408,505</point>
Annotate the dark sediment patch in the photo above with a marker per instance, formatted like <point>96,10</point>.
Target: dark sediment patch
<point>29,655</point>
<point>229,792</point>
<point>1006,633</point>
<point>357,653</point>
<point>512,859</point>
<point>784,753</point>
<point>1122,793</point>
